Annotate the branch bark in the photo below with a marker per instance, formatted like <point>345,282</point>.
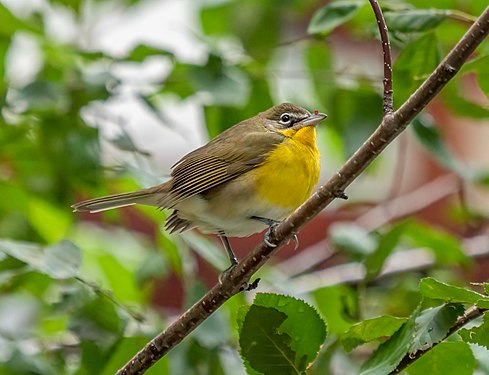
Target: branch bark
<point>391,126</point>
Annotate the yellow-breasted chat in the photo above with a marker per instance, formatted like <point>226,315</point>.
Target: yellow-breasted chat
<point>251,176</point>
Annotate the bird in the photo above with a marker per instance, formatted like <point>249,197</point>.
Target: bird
<point>250,177</point>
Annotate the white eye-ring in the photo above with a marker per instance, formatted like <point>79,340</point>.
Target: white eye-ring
<point>285,118</point>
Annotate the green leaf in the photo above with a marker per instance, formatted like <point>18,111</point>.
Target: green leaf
<point>97,320</point>
<point>445,358</point>
<point>430,137</point>
<point>143,51</point>
<point>432,326</point>
<point>461,105</point>
<point>60,261</point>
<point>332,16</point>
<point>338,305</point>
<point>415,20</point>
<point>48,220</point>
<point>262,344</point>
<point>42,96</point>
<point>352,239</point>
<point>390,353</point>
<point>280,333</point>
<point>435,289</point>
<point>446,247</point>
<point>388,242</point>
<point>413,65</point>
<point>370,330</point>
<point>9,24</point>
<point>477,335</point>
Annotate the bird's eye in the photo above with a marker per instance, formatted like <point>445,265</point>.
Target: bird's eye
<point>285,119</point>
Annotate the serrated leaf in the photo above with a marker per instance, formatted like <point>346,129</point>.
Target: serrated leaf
<point>432,326</point>
<point>370,330</point>
<point>477,335</point>
<point>415,20</point>
<point>445,358</point>
<point>262,345</point>
<point>292,327</point>
<point>435,289</point>
<point>390,353</point>
<point>303,324</point>
<point>332,16</point>
<point>388,242</point>
<point>486,288</point>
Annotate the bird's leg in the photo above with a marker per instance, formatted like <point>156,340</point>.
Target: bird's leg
<point>229,249</point>
<point>232,257</point>
<point>272,224</point>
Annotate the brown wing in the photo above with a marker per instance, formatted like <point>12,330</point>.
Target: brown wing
<point>234,152</point>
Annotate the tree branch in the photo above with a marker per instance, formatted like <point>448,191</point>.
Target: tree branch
<point>391,126</point>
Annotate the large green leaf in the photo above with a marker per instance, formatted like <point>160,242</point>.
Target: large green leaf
<point>280,334</point>
<point>445,358</point>
<point>432,326</point>
<point>332,16</point>
<point>370,330</point>
<point>266,349</point>
<point>435,289</point>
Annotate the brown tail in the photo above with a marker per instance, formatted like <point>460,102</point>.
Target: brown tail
<point>150,197</point>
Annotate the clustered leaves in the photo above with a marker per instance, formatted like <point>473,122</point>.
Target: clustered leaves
<point>79,298</point>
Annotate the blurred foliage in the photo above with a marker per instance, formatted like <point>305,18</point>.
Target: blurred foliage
<point>78,298</point>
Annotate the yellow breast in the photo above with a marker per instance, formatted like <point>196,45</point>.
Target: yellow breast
<point>291,171</point>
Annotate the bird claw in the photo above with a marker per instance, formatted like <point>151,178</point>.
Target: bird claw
<point>296,241</point>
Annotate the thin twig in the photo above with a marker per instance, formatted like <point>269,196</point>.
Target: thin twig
<point>386,51</point>
<point>238,277</point>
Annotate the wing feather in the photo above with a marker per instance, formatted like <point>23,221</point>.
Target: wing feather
<point>234,152</point>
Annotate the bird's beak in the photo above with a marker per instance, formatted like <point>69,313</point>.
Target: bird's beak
<point>313,120</point>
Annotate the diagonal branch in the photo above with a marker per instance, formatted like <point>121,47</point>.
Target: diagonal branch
<point>391,126</point>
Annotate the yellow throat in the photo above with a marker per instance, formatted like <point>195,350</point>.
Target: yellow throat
<point>291,171</point>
